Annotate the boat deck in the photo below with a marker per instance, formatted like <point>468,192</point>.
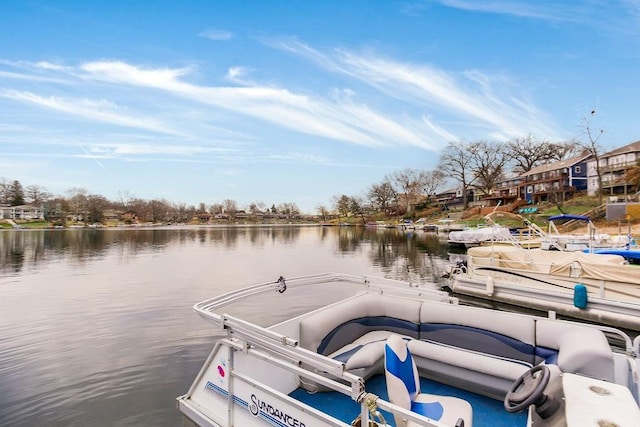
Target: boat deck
<point>487,412</point>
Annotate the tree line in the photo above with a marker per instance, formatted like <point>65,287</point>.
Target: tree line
<point>478,166</point>
<point>91,208</point>
<point>470,165</point>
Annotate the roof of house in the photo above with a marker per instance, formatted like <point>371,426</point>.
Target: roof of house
<point>629,148</point>
<point>557,165</point>
<point>22,207</point>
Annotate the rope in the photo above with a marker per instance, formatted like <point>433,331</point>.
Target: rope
<point>370,402</point>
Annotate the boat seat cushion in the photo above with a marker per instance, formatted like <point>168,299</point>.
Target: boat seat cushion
<point>364,352</point>
<point>581,349</point>
<point>484,363</point>
<point>505,335</point>
<point>326,332</point>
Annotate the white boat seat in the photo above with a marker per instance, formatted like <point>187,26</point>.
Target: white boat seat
<point>403,387</point>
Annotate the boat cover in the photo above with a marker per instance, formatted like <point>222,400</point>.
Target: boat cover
<point>626,253</point>
<point>594,266</point>
<point>477,235</point>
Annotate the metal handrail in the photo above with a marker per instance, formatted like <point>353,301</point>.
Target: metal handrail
<point>206,308</point>
<point>258,338</point>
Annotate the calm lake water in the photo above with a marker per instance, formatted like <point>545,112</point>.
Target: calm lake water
<point>96,326</point>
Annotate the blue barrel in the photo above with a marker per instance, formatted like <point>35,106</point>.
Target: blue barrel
<point>580,296</point>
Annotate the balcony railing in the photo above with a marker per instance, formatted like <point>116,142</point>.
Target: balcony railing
<point>618,166</point>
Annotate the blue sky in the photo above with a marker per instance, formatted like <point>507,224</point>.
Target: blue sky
<point>297,101</point>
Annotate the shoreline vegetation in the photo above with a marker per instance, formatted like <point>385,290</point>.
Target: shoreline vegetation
<point>428,216</point>
<point>607,227</point>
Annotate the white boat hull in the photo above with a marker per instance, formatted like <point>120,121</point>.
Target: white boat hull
<point>548,281</point>
<point>256,376</point>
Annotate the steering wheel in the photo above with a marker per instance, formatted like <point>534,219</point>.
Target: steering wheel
<point>527,389</point>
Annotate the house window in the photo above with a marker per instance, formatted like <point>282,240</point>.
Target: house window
<point>529,189</point>
<point>577,169</point>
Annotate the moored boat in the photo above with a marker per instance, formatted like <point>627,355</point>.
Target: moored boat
<point>344,350</point>
<point>478,236</point>
<point>596,287</point>
<point>591,240</point>
<point>448,225</point>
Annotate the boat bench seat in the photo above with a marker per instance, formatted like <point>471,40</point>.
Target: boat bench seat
<point>576,349</point>
<point>467,347</point>
<point>354,331</point>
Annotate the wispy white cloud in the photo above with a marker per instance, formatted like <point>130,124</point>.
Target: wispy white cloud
<point>552,11</point>
<point>218,35</point>
<point>30,77</point>
<point>46,65</point>
<point>100,110</point>
<point>299,157</point>
<point>302,113</point>
<point>619,16</point>
<point>471,95</point>
<point>237,74</point>
<point>345,114</point>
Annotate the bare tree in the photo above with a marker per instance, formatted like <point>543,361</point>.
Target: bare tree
<point>230,206</point>
<point>287,208</point>
<point>216,208</point>
<point>455,162</point>
<point>125,197</point>
<point>140,208</point>
<point>179,211</point>
<point>257,207</point>
<point>382,195</point>
<point>293,208</point>
<point>487,164</point>
<point>323,211</point>
<point>5,185</point>
<point>563,150</point>
<point>594,148</point>
<point>78,201</point>
<point>409,182</point>
<point>433,181</point>
<point>95,207</point>
<point>158,210</point>
<point>527,153</point>
<point>356,207</point>
<point>342,204</point>
<point>37,194</point>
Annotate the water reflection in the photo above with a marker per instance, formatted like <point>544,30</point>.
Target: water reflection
<point>406,254</point>
<point>25,249</point>
<point>402,254</point>
<point>97,327</point>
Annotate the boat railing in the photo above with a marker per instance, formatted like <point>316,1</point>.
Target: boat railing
<point>286,347</point>
<point>207,308</point>
<point>261,347</point>
<point>286,353</point>
<point>532,229</point>
<point>369,402</point>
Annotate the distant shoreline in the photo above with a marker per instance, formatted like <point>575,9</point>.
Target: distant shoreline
<point>158,226</point>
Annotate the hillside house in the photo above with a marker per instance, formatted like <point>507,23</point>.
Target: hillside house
<point>21,212</point>
<point>613,166</point>
<point>556,181</point>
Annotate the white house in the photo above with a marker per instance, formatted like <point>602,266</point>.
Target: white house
<point>24,212</point>
<point>613,166</point>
